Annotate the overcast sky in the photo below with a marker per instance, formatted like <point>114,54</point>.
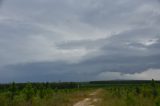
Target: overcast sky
<point>79,40</point>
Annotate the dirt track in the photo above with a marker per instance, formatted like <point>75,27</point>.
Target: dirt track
<point>90,100</point>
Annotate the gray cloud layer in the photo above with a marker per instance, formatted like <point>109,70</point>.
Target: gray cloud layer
<point>72,40</point>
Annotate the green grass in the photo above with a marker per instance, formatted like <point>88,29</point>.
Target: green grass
<point>127,96</point>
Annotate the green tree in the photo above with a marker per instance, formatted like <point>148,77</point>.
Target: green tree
<point>137,90</point>
<point>154,88</point>
<point>29,92</point>
<point>13,90</point>
<point>153,84</point>
<point>42,90</point>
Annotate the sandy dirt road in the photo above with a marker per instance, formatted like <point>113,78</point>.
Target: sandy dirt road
<point>89,101</point>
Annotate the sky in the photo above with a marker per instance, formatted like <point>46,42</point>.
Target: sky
<point>79,40</point>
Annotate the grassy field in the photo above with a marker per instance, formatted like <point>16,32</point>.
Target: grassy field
<point>40,95</point>
<point>130,96</point>
<point>67,94</point>
<point>50,98</point>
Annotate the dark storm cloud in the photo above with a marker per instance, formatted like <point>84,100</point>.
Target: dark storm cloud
<point>75,40</point>
<point>1,1</point>
<point>87,70</point>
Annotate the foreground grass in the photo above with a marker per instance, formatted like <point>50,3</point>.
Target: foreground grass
<point>58,98</point>
<point>128,97</point>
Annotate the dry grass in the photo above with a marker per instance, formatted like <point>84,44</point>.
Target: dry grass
<point>108,99</point>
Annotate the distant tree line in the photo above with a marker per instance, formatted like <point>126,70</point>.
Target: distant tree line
<point>20,86</point>
<point>121,82</point>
